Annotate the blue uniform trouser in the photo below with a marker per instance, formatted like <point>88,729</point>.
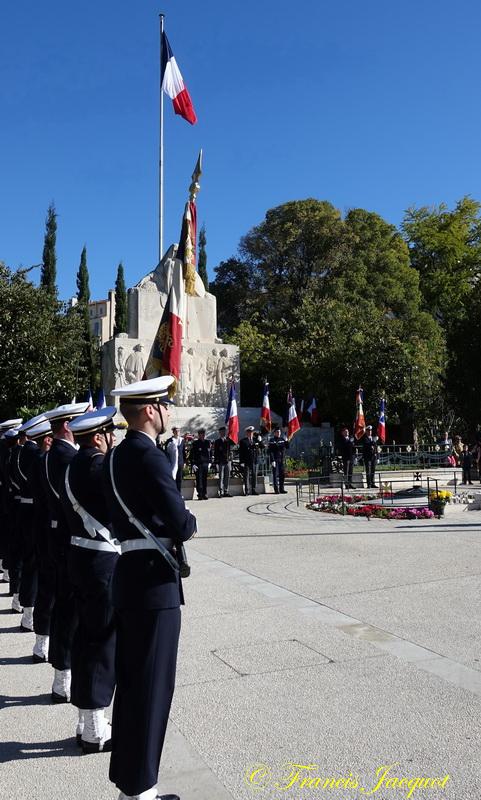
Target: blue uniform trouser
<point>28,581</point>
<point>145,662</point>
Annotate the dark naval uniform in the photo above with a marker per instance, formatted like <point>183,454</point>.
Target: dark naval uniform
<point>249,458</point>
<point>15,552</point>
<point>42,611</point>
<point>223,460</point>
<point>6,500</point>
<point>91,563</point>
<point>64,615</point>
<point>200,457</point>
<point>369,454</point>
<point>277,452</point>
<point>28,583</point>
<point>147,595</point>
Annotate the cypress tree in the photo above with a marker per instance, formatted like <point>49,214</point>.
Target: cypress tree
<point>89,350</point>
<point>120,325</point>
<point>203,258</point>
<point>48,275</point>
<point>83,288</point>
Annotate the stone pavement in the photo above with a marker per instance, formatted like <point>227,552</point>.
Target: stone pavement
<point>343,644</point>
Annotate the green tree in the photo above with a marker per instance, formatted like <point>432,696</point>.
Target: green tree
<point>48,275</point>
<point>120,325</point>
<point>90,351</point>
<point>40,345</point>
<point>203,258</point>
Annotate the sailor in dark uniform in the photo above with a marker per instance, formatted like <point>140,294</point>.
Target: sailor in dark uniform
<point>369,454</point>
<point>6,497</point>
<point>200,457</point>
<point>223,461</point>
<point>149,519</point>
<point>92,558</point>
<point>15,551</point>
<point>42,612</point>
<point>249,449</point>
<point>277,451</point>
<point>25,457</point>
<point>64,615</point>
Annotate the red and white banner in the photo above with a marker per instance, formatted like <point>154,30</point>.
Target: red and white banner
<point>266,419</point>
<point>292,419</point>
<point>232,417</point>
<point>360,423</point>
<point>165,355</point>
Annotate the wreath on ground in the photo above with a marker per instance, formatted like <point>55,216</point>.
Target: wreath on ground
<point>356,506</point>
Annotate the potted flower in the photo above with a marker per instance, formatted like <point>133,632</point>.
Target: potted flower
<point>438,500</point>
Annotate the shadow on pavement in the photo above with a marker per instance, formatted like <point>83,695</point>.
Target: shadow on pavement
<point>16,751</point>
<point>36,700</point>
<point>6,661</point>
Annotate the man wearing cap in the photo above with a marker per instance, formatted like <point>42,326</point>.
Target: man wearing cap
<point>15,556</point>
<point>42,612</point>
<point>7,502</point>
<point>369,455</point>
<point>92,558</point>
<point>249,448</point>
<point>223,460</point>
<point>25,457</point>
<point>64,614</point>
<point>200,457</point>
<point>277,451</point>
<point>149,519</point>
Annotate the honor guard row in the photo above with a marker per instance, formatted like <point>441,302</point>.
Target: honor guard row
<point>91,541</point>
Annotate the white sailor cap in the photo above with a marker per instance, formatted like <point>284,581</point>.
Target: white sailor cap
<point>67,411</point>
<point>10,423</point>
<point>40,430</point>
<point>99,421</point>
<point>250,428</point>
<point>30,423</point>
<point>150,391</point>
<point>12,433</point>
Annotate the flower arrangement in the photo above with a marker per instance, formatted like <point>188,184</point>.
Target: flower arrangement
<point>438,500</point>
<point>332,504</point>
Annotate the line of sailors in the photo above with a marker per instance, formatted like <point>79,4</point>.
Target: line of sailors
<point>70,520</point>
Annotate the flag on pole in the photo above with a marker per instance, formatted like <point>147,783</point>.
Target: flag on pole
<point>173,84</point>
<point>300,412</point>
<point>360,423</point>
<point>314,414</point>
<point>266,419</point>
<point>90,401</point>
<point>292,418</point>
<point>381,425</point>
<point>186,252</point>
<point>101,400</point>
<point>231,417</point>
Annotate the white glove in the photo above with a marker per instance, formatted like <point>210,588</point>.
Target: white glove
<point>195,467</point>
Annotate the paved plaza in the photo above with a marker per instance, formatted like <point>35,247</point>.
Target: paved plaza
<point>341,644</point>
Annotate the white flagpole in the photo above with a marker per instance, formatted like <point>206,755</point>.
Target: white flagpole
<point>161,149</point>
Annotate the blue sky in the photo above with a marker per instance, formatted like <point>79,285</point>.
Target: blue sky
<point>372,105</point>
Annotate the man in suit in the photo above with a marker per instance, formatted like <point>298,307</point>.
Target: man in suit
<point>175,449</point>
<point>150,521</point>
<point>200,456</point>
<point>249,449</point>
<point>369,454</point>
<point>347,451</point>
<point>277,452</point>
<point>223,460</point>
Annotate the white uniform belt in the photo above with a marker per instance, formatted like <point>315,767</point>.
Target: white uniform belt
<point>26,500</point>
<point>142,544</point>
<point>53,523</point>
<point>91,544</point>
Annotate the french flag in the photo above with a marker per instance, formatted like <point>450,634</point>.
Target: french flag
<point>292,419</point>
<point>300,412</point>
<point>101,400</point>
<point>381,425</point>
<point>166,350</point>
<point>266,419</point>
<point>360,423</point>
<point>173,84</point>
<point>231,417</point>
<point>312,410</point>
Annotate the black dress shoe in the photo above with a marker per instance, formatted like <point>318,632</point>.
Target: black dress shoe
<point>39,659</point>
<point>59,698</point>
<point>254,492</point>
<point>167,797</point>
<point>284,491</point>
<point>226,494</point>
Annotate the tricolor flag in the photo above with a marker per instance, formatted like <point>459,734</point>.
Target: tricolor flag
<point>90,401</point>
<point>381,425</point>
<point>165,354</point>
<point>266,419</point>
<point>312,410</point>
<point>173,84</point>
<point>360,423</point>
<point>231,417</point>
<point>300,412</point>
<point>292,418</point>
<point>101,400</point>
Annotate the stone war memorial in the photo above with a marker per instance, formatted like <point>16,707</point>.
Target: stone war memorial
<point>207,364</point>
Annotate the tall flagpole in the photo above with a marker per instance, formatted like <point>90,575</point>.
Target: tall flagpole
<point>161,148</point>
